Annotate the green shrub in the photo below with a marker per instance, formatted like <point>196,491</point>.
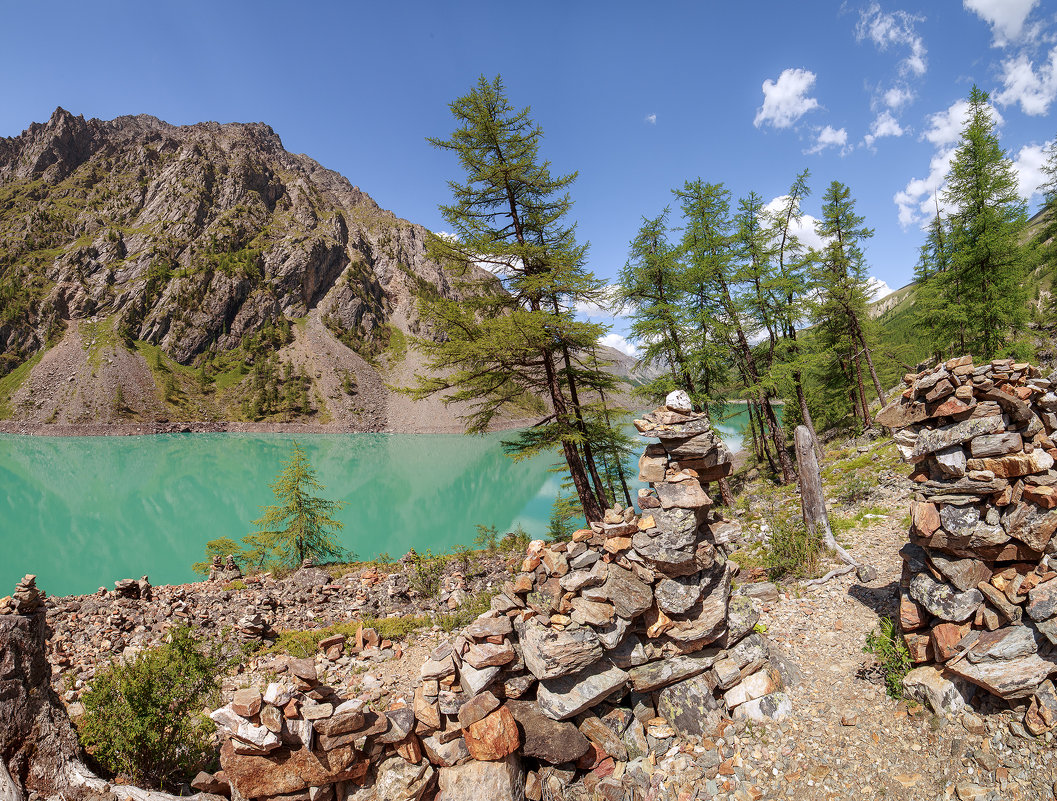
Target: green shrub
<point>426,573</point>
<point>792,550</point>
<point>143,718</point>
<point>468,612</point>
<point>891,653</point>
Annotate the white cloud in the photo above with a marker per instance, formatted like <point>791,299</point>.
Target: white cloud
<point>878,288</point>
<point>1028,165</point>
<point>651,119</point>
<point>1033,90</point>
<point>897,97</point>
<point>883,125</point>
<point>894,30</point>
<point>804,231</point>
<point>830,137</point>
<point>945,127</point>
<point>785,101</point>
<point>1007,18</point>
<point>617,342</point>
<point>917,201</point>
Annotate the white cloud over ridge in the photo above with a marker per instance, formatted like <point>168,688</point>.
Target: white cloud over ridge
<point>895,29</point>
<point>829,136</point>
<point>883,125</point>
<point>786,100</point>
<point>1007,19</point>
<point>1034,90</point>
<point>617,342</point>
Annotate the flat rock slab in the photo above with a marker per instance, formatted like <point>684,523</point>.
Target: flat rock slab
<point>937,439</point>
<point>1014,678</point>
<point>1002,645</point>
<point>563,697</point>
<point>933,688</point>
<point>655,675</point>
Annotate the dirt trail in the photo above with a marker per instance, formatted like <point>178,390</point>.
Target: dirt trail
<point>845,738</point>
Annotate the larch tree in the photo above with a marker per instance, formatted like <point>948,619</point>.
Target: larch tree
<point>509,340</point>
<point>988,261</point>
<point>299,526</point>
<point>840,283</point>
<point>1045,238</point>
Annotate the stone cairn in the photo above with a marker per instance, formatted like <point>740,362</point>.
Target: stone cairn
<point>594,657</point>
<point>978,595</point>
<point>26,599</point>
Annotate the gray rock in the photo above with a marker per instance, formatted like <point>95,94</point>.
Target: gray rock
<point>932,688</point>
<point>544,738</point>
<point>629,596</point>
<point>400,780</point>
<point>474,680</point>
<point>770,707</point>
<point>951,461</point>
<point>996,444</point>
<point>943,601</point>
<point>690,707</point>
<point>549,653</point>
<point>964,522</point>
<point>762,591</point>
<point>932,440</point>
<point>742,617</point>
<point>661,673</point>
<point>707,619</point>
<point>1003,644</point>
<point>1030,524</point>
<point>628,653</point>
<point>676,596</point>
<point>502,780</point>
<point>569,695</point>
<point>963,574</point>
<point>1012,678</point>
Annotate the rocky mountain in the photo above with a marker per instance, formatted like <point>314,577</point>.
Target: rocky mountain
<point>152,272</point>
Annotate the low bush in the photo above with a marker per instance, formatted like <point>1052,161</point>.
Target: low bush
<point>143,718</point>
<point>892,655</point>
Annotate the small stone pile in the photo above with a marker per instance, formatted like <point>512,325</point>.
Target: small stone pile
<point>224,570</point>
<point>594,658</point>
<point>978,594</point>
<point>25,600</point>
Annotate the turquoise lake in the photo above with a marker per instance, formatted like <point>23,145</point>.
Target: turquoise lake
<point>81,512</point>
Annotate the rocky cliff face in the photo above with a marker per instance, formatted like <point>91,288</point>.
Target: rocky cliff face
<point>200,240</point>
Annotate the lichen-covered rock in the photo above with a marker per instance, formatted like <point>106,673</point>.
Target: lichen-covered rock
<point>551,653</point>
<point>690,707</point>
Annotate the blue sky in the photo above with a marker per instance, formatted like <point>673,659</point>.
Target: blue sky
<point>637,97</point>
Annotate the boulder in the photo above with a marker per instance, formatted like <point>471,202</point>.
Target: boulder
<point>773,706</point>
<point>1013,678</point>
<point>661,673</point>
<point>1042,601</point>
<point>677,596</point>
<point>933,688</point>
<point>629,596</point>
<point>400,780</point>
<point>1003,644</point>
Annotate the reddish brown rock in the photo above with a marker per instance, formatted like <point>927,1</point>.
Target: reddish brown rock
<point>286,771</point>
<point>493,736</point>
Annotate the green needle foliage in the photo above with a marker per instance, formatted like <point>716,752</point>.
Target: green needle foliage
<point>509,336</point>
<point>143,718</point>
<point>974,263</point>
<point>299,526</point>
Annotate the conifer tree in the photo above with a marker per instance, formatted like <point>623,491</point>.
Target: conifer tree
<point>508,340</point>
<point>839,278</point>
<point>710,246</point>
<point>1045,238</point>
<point>650,289</point>
<point>299,526</point>
<point>988,263</point>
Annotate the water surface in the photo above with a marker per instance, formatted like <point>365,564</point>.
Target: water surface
<point>81,512</point>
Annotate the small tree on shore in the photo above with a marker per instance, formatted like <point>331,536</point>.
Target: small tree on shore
<point>300,526</point>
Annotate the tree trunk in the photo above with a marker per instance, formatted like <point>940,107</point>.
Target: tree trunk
<point>725,495</point>
<point>869,359</point>
<point>588,502</point>
<point>813,501</point>
<point>862,392</point>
